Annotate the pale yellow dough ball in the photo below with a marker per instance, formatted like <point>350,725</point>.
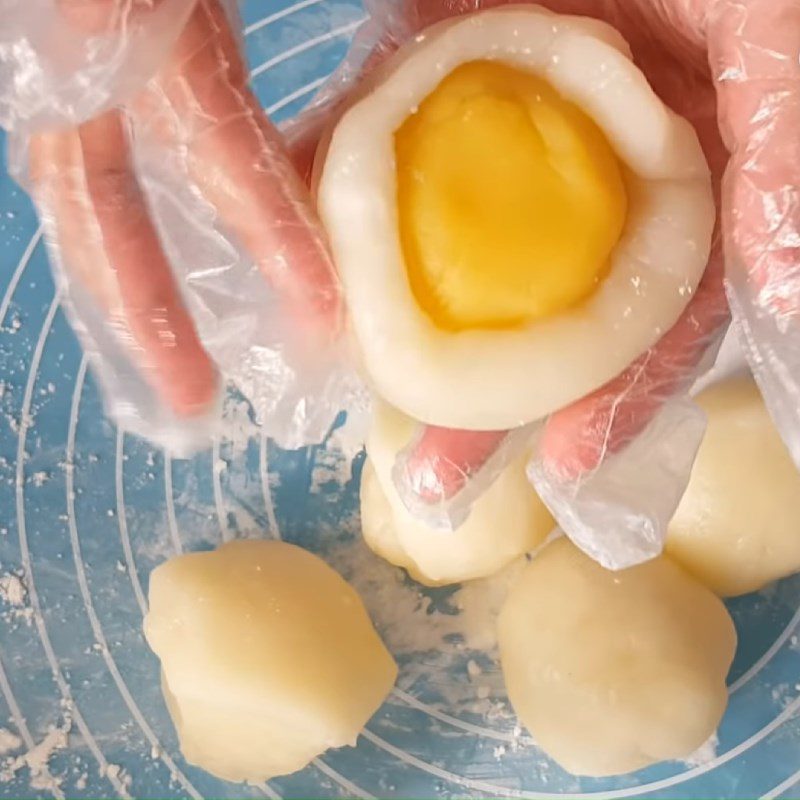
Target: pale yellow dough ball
<point>613,671</point>
<point>507,521</point>
<point>736,527</point>
<point>268,657</point>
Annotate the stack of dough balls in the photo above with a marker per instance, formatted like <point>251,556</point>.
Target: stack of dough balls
<point>268,657</point>
<point>516,217</point>
<point>614,671</point>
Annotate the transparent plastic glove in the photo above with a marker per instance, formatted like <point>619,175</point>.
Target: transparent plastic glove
<point>188,253</point>
<point>613,466</point>
<point>115,279</point>
<point>755,56</point>
<point>65,61</point>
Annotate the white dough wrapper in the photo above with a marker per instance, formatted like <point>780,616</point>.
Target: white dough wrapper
<point>612,672</point>
<point>268,657</point>
<point>736,526</point>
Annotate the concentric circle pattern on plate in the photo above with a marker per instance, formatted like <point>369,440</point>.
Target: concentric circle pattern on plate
<point>86,512</point>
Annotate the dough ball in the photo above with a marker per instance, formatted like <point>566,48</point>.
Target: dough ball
<point>378,526</point>
<point>514,213</point>
<point>736,527</point>
<point>613,671</point>
<point>508,520</point>
<point>268,657</point>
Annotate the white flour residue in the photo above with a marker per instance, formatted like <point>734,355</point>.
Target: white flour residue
<point>479,603</point>
<point>37,759</point>
<point>404,613</point>
<point>332,469</point>
<point>115,773</point>
<point>444,640</point>
<point>12,590</point>
<point>705,753</point>
<point>447,651</point>
<point>156,548</point>
<point>237,426</point>
<point>784,694</point>
<point>8,741</point>
<point>39,478</point>
<point>13,596</point>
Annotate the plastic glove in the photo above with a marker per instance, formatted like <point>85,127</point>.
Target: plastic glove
<point>753,49</point>
<point>148,256</point>
<point>670,41</point>
<point>694,52</point>
<point>755,55</point>
<point>616,509</point>
<point>69,60</point>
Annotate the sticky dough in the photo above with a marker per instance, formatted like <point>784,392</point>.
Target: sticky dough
<point>268,657</point>
<point>736,527</point>
<point>506,521</point>
<point>501,378</point>
<point>613,671</point>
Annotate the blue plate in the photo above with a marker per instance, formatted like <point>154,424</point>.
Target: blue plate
<point>86,512</point>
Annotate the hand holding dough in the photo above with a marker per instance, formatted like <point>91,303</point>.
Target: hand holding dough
<point>613,671</point>
<point>736,527</point>
<point>507,520</point>
<point>268,657</point>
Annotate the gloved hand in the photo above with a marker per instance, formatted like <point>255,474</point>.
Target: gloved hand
<point>741,57</point>
<point>751,47</point>
<point>668,40</point>
<point>732,67</point>
<point>197,113</point>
